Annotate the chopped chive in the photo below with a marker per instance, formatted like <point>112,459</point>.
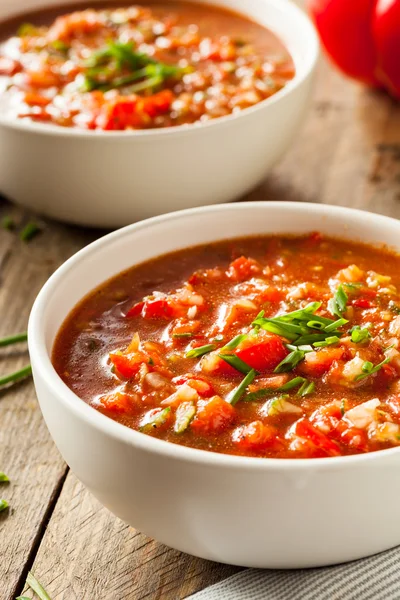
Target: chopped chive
<point>182,335</point>
<point>289,363</point>
<point>334,339</point>
<point>358,335</point>
<point>236,362</point>
<point>369,369</point>
<point>13,339</point>
<point>337,304</point>
<point>184,414</point>
<point>3,478</point>
<point>309,339</point>
<point>315,325</point>
<point>307,388</point>
<point>155,420</point>
<point>235,395</point>
<point>234,343</point>
<point>259,394</point>
<point>336,325</point>
<point>16,376</point>
<point>37,587</point>
<point>30,230</point>
<point>196,352</point>
<point>3,505</point>
<point>8,222</point>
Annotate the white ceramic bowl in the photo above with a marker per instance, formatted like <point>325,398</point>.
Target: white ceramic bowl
<point>114,178</point>
<point>254,512</point>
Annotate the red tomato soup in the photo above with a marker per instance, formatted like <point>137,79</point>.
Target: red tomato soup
<point>138,67</point>
<point>283,347</point>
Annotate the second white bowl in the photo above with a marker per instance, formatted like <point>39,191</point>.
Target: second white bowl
<point>114,178</point>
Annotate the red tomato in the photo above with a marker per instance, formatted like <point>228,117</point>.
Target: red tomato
<point>8,66</point>
<point>158,104</point>
<point>243,268</point>
<point>119,114</point>
<point>213,416</point>
<point>363,303</point>
<point>255,436</point>
<point>263,354</point>
<point>304,429</point>
<point>127,365</point>
<point>202,387</point>
<point>157,309</point>
<point>351,436</point>
<point>116,402</point>
<point>135,310</point>
<point>386,28</point>
<point>345,30</point>
<point>315,364</point>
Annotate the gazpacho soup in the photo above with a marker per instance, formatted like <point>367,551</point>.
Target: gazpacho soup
<point>281,347</point>
<point>116,67</point>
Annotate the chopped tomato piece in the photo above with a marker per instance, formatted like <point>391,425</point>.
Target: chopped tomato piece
<point>262,353</point>
<point>255,436</point>
<point>34,99</point>
<point>158,104</point>
<point>213,416</point>
<point>42,79</point>
<point>363,303</point>
<point>270,294</point>
<point>128,365</point>
<point>243,268</point>
<point>117,402</point>
<point>351,436</point>
<point>135,310</point>
<point>304,429</point>
<point>119,114</point>
<point>202,387</point>
<point>157,309</point>
<point>315,364</point>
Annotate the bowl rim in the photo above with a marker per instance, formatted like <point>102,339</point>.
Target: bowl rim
<point>286,6</point>
<point>43,368</point>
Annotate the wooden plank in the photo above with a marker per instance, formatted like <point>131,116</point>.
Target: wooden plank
<point>27,453</point>
<point>88,553</point>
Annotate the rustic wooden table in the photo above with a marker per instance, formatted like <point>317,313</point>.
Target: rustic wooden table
<point>348,153</point>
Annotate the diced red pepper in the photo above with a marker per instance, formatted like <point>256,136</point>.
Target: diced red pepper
<point>213,416</point>
<point>157,309</point>
<point>158,104</point>
<point>136,310</point>
<point>351,436</point>
<point>256,436</point>
<point>34,99</point>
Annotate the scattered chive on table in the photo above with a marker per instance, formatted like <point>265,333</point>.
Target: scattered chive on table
<point>348,153</point>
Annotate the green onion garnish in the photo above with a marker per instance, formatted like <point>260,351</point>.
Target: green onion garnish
<point>236,362</point>
<point>358,335</point>
<point>16,376</point>
<point>37,587</point>
<point>182,335</point>
<point>369,369</point>
<point>3,505</point>
<point>337,304</point>
<point>13,339</point>
<point>8,222</point>
<point>30,230</point>
<point>234,343</point>
<point>291,360</point>
<point>196,352</point>
<point>335,325</point>
<point>306,389</point>
<point>334,339</point>
<point>235,395</point>
<point>156,421</point>
<point>3,478</point>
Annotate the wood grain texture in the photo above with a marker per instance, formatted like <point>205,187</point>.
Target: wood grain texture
<point>348,153</point>
<point>27,453</point>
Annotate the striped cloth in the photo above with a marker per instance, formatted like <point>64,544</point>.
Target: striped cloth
<point>373,578</point>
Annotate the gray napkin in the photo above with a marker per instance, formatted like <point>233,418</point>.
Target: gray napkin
<point>374,578</point>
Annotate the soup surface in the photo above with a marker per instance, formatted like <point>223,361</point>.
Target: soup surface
<point>271,347</point>
<point>138,67</point>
